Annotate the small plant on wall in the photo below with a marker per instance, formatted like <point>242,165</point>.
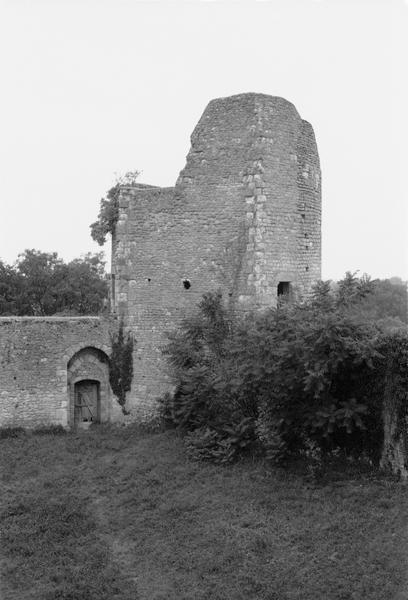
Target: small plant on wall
<point>121,365</point>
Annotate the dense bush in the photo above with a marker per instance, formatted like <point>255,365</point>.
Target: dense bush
<point>222,443</point>
<point>309,371</point>
<point>11,432</point>
<point>50,430</point>
<point>298,376</point>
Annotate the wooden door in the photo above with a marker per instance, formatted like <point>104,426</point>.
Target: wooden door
<point>87,405</point>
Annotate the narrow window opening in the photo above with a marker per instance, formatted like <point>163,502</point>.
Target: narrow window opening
<point>186,284</point>
<point>303,215</point>
<point>283,288</point>
<point>148,279</point>
<point>307,268</point>
<point>306,235</point>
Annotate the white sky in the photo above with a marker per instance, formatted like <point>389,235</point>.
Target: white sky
<point>94,87</point>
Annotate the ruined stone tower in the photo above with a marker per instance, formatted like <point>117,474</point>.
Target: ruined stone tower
<point>243,217</point>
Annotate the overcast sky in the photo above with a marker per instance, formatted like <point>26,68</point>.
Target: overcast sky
<point>90,88</point>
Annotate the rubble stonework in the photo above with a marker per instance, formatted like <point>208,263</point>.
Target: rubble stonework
<point>41,359</point>
<point>243,217</point>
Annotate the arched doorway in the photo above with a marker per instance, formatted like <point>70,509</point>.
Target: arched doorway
<point>88,388</point>
<point>87,406</point>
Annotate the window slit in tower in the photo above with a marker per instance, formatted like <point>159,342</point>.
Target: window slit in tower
<point>283,288</point>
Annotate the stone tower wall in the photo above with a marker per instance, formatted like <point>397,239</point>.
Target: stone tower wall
<point>243,216</point>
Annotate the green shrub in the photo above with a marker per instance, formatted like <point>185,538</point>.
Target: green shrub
<point>50,430</point>
<point>165,410</point>
<point>297,375</point>
<point>222,445</point>
<point>203,444</point>
<point>196,352</point>
<point>311,373</point>
<point>11,432</point>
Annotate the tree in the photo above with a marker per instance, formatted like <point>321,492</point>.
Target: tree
<point>383,301</point>
<point>109,209</point>
<point>389,299</point>
<point>83,288</point>
<point>40,284</point>
<point>352,289</point>
<point>8,287</point>
<point>39,274</point>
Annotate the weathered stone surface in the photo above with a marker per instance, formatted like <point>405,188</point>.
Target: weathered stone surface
<point>42,358</point>
<point>245,214</point>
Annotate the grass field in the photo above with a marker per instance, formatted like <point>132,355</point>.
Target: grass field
<point>120,514</point>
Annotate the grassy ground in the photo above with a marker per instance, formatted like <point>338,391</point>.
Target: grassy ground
<point>119,514</point>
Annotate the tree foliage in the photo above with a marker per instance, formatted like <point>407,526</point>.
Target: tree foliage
<point>109,209</point>
<point>380,300</point>
<point>40,284</point>
<point>285,378</point>
<point>388,300</point>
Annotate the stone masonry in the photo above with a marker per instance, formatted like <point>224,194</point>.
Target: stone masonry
<point>244,217</point>
<point>41,360</point>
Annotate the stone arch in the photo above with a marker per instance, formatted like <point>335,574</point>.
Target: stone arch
<point>89,364</point>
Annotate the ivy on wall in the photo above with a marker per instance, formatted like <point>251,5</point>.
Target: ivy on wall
<point>121,365</point>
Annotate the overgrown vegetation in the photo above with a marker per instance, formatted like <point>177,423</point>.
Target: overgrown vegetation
<point>41,284</point>
<point>49,430</point>
<point>109,209</point>
<point>298,380</point>
<point>121,365</point>
<point>395,385</point>
<point>11,432</point>
<point>387,302</point>
<point>115,513</point>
